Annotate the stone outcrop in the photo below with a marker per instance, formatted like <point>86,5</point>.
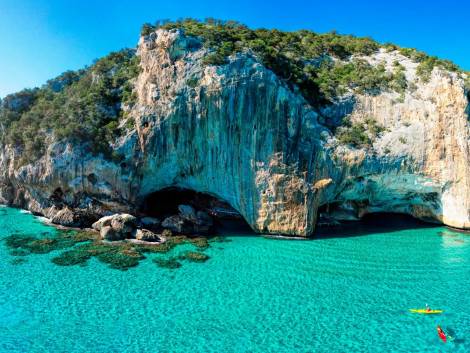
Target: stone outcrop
<point>146,235</point>
<point>71,217</point>
<point>241,134</point>
<point>116,227</point>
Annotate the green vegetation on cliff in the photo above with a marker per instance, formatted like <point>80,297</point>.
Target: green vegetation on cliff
<point>302,58</point>
<point>323,66</point>
<point>81,107</point>
<point>86,106</point>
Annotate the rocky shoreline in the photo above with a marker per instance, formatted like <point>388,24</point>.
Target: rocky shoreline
<point>120,241</point>
<point>142,230</point>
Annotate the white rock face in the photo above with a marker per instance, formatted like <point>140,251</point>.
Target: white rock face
<point>240,133</point>
<point>420,165</point>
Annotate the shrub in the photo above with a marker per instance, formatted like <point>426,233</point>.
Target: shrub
<point>359,134</point>
<point>334,79</point>
<point>373,127</point>
<point>193,82</point>
<point>399,82</point>
<point>355,136</point>
<point>425,68</point>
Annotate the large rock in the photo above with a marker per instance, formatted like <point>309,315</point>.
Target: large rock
<point>71,217</point>
<point>178,224</point>
<point>116,227</point>
<point>147,235</point>
<point>108,233</point>
<point>64,217</point>
<point>102,222</point>
<point>243,135</point>
<point>124,223</point>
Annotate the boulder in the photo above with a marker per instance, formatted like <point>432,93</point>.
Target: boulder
<point>102,222</point>
<point>187,212</point>
<point>122,226</point>
<point>147,235</point>
<point>64,217</point>
<point>150,223</point>
<point>124,223</point>
<point>72,217</point>
<point>177,224</point>
<point>108,233</point>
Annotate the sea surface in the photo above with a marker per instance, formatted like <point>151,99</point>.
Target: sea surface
<point>346,291</point>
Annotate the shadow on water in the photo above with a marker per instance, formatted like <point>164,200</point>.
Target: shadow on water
<point>372,223</point>
<point>234,227</point>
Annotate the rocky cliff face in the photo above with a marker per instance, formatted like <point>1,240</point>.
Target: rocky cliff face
<point>239,133</point>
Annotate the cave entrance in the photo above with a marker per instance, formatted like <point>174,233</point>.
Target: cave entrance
<point>371,223</point>
<point>165,202</point>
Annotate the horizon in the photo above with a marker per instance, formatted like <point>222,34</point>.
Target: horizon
<point>62,41</point>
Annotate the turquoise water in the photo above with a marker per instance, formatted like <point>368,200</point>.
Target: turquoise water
<point>337,294</point>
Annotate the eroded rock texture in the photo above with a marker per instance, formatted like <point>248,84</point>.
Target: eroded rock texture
<point>241,134</point>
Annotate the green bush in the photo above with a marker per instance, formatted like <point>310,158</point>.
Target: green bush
<point>334,79</point>
<point>359,134</point>
<point>399,82</point>
<point>425,68</point>
<point>355,136</point>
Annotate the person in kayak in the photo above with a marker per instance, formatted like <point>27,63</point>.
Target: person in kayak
<point>441,333</point>
<point>428,309</point>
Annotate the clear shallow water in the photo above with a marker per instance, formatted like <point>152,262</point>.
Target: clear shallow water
<point>343,294</point>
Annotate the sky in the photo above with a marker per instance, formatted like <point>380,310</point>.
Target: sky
<point>39,39</point>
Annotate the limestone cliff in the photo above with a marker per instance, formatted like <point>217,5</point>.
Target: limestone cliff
<point>242,134</point>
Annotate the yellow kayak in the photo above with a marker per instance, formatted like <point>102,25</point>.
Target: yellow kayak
<point>424,311</point>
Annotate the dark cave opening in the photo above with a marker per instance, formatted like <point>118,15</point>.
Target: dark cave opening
<point>164,203</point>
<point>377,222</point>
